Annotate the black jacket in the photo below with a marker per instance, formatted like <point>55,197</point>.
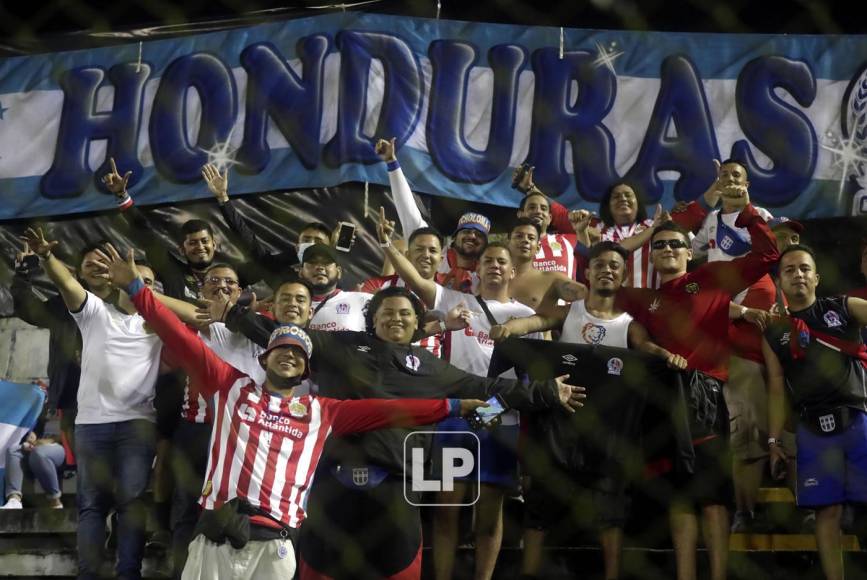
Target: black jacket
<point>356,365</point>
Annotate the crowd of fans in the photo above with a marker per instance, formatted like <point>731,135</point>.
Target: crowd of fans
<point>170,374</point>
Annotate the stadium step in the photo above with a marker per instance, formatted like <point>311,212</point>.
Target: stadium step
<point>775,495</point>
<point>784,543</point>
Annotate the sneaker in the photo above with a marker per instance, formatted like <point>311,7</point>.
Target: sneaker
<point>12,504</point>
<point>742,523</point>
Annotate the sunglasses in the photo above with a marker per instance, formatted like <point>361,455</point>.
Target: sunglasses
<point>673,244</point>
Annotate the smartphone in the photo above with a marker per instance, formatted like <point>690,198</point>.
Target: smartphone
<point>345,236</point>
<point>490,416</point>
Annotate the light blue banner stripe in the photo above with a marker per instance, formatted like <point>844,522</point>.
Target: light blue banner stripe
<point>717,56</point>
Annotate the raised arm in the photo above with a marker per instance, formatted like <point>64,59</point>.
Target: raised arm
<point>204,367</point>
<point>256,328</point>
<point>742,272</point>
<point>70,289</point>
<point>407,210</point>
<point>425,289</point>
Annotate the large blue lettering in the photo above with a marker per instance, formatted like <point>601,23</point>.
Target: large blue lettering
<point>174,157</point>
<point>80,125</point>
<point>295,104</point>
<point>681,106</point>
<point>451,62</point>
<point>557,121</point>
<point>401,100</point>
<point>780,130</point>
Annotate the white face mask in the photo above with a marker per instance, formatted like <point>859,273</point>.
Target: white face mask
<point>301,248</point>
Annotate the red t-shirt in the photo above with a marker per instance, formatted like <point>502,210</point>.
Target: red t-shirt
<point>689,315</point>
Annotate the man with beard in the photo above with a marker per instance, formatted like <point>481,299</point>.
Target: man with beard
<point>114,428</point>
<point>469,239</point>
<point>268,499</point>
<point>815,352</point>
<point>333,309</point>
<point>594,320</point>
<point>688,315</point>
<point>530,286</point>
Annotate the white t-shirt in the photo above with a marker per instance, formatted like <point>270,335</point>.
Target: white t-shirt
<point>581,327</point>
<point>119,365</point>
<point>236,349</point>
<point>342,311</point>
<point>471,349</point>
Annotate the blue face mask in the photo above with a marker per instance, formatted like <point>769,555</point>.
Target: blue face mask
<point>729,240</point>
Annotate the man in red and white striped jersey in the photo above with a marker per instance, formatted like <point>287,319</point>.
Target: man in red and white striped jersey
<point>556,250</point>
<point>266,442</point>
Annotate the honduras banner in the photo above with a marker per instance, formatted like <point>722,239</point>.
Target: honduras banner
<point>301,103</point>
<point>22,404</point>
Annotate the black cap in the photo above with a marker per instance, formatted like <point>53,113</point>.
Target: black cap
<point>319,250</point>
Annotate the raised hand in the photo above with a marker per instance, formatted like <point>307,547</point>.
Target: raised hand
<point>35,241</point>
<point>122,272</point>
<point>458,318</point>
<point>522,178</point>
<point>113,180</point>
<point>580,219</point>
<point>385,228</point>
<point>386,150</point>
<point>211,311</point>
<point>570,395</point>
<point>218,183</point>
<point>660,216</point>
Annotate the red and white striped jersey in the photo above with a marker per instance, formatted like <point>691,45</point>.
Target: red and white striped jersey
<point>434,343</point>
<point>556,254</point>
<point>265,448</point>
<point>640,273</point>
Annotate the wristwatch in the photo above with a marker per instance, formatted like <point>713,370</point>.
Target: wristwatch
<point>743,312</point>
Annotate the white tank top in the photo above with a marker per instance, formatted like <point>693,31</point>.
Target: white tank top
<point>581,327</point>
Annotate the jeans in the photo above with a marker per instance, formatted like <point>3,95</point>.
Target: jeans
<point>44,461</point>
<point>191,442</point>
<point>114,465</point>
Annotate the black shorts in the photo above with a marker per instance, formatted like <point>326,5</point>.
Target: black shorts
<point>560,502</point>
<point>711,481</point>
<point>359,533</point>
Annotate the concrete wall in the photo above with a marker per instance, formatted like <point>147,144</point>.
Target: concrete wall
<point>23,351</point>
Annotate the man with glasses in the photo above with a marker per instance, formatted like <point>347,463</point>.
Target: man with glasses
<point>688,315</point>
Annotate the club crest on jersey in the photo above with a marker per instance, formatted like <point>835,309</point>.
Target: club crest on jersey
<point>827,423</point>
<point>804,338</point>
<point>692,288</point>
<point>615,366</point>
<point>784,340</point>
<point>343,308</point>
<point>412,362</point>
<point>593,333</point>
<point>297,409</point>
<point>726,243</point>
<point>832,319</point>
<point>555,246</point>
<point>360,476</point>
